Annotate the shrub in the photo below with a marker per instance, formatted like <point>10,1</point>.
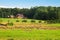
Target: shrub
<point>51,21</point>
<point>10,24</point>
<point>8,21</point>
<point>39,21</point>
<point>58,21</point>
<point>1,20</point>
<point>11,39</point>
<point>17,20</point>
<point>24,20</point>
<point>33,21</point>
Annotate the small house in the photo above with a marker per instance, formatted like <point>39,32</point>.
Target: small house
<point>11,16</point>
<point>19,16</point>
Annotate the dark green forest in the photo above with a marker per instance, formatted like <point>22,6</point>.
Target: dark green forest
<point>40,13</point>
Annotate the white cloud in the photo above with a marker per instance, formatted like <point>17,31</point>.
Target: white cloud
<point>6,7</point>
<point>12,7</point>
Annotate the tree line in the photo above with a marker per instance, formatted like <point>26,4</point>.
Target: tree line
<point>40,13</point>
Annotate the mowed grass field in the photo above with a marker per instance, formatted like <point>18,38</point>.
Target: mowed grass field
<point>14,20</point>
<point>33,34</point>
<point>5,20</point>
<point>28,34</point>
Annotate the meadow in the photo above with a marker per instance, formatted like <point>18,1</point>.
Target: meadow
<point>33,34</point>
<point>28,30</point>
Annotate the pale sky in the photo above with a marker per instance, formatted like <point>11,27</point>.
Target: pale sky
<point>28,3</point>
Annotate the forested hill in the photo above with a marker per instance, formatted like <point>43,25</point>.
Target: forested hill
<point>41,12</point>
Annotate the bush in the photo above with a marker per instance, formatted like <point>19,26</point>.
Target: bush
<point>58,21</point>
<point>39,21</point>
<point>1,20</point>
<point>51,21</point>
<point>33,21</point>
<point>17,20</point>
<point>10,24</point>
<point>11,39</point>
<point>8,21</point>
<point>24,20</point>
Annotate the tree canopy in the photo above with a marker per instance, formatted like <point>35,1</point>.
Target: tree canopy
<point>41,12</point>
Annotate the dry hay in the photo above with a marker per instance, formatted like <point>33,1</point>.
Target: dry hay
<point>29,26</point>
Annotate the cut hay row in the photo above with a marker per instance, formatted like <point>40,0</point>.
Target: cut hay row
<point>26,25</point>
<point>29,26</point>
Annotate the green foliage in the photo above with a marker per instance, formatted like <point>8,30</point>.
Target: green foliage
<point>52,21</point>
<point>24,20</point>
<point>1,20</point>
<point>11,39</point>
<point>41,12</point>
<point>10,24</point>
<point>33,21</point>
<point>39,21</point>
<point>17,20</point>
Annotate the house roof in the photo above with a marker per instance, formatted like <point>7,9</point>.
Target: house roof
<point>20,15</point>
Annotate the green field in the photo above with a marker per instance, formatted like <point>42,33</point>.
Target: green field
<point>29,34</point>
<point>14,20</point>
<point>33,34</point>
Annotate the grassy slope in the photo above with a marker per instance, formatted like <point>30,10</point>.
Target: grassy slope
<point>14,20</point>
<point>31,34</point>
<point>28,21</point>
